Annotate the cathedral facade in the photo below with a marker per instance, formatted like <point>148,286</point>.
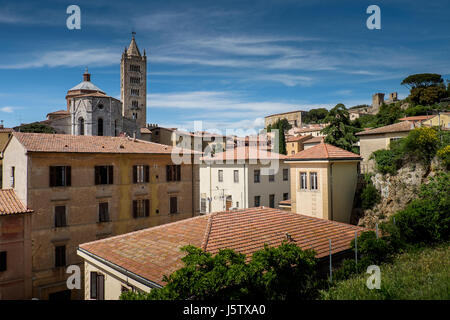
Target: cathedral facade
<point>90,111</point>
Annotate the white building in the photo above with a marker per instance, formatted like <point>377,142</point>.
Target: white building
<point>243,177</point>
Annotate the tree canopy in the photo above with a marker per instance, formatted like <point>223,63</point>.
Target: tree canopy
<point>340,132</point>
<point>315,115</point>
<point>36,128</point>
<point>422,80</point>
<point>282,125</point>
<point>273,273</point>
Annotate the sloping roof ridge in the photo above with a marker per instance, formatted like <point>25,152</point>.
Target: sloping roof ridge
<point>326,148</point>
<point>144,230</point>
<point>208,230</point>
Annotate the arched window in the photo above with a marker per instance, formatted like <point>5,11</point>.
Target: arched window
<point>81,126</point>
<point>100,127</point>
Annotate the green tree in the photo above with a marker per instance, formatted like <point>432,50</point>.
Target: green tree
<point>388,114</point>
<point>282,126</point>
<point>422,80</point>
<point>340,131</point>
<point>425,88</point>
<point>285,272</point>
<point>36,128</point>
<point>315,115</point>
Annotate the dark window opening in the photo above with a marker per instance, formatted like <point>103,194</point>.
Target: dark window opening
<point>141,174</point>
<point>173,172</point>
<point>104,175</point>
<point>3,261</point>
<point>141,208</point>
<point>60,176</point>
<point>60,256</point>
<point>103,212</point>
<point>97,286</point>
<point>173,205</point>
<point>60,216</point>
<point>100,127</point>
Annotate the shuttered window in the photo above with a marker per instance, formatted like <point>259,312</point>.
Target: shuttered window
<point>103,212</point>
<point>141,208</point>
<point>97,286</point>
<point>60,176</point>
<point>60,216</point>
<point>104,175</point>
<point>60,256</point>
<point>141,174</point>
<point>173,205</point>
<point>173,172</point>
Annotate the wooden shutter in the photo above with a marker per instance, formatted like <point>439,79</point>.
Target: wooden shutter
<point>135,209</point>
<point>178,173</point>
<point>93,285</point>
<point>134,174</point>
<point>147,174</point>
<point>147,207</point>
<point>100,287</point>
<point>52,176</point>
<point>111,174</point>
<point>97,175</point>
<point>68,176</point>
<point>168,173</point>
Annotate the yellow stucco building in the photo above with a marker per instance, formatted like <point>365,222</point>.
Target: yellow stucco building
<point>323,182</point>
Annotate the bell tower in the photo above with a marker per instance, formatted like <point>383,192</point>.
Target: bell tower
<point>133,84</point>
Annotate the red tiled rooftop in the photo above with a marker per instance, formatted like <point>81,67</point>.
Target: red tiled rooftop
<point>299,138</point>
<point>42,142</point>
<point>396,127</point>
<point>416,118</point>
<point>324,151</point>
<point>315,139</point>
<point>154,252</point>
<point>10,203</point>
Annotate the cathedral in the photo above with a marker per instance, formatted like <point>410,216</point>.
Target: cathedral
<point>90,111</point>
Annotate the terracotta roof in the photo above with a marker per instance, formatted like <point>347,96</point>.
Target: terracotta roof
<point>301,130</point>
<point>42,142</point>
<point>396,127</point>
<point>245,153</point>
<point>299,138</point>
<point>145,130</point>
<point>64,112</point>
<point>153,252</point>
<point>416,118</point>
<point>6,130</point>
<point>315,140</point>
<point>10,203</point>
<point>324,151</point>
<point>285,202</point>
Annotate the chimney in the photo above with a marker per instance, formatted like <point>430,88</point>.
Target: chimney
<point>86,76</point>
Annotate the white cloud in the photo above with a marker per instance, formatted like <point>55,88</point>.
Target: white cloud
<point>70,58</point>
<point>8,109</point>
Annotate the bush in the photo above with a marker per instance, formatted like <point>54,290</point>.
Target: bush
<point>444,155</point>
<point>387,161</point>
<point>426,219</point>
<point>422,143</point>
<point>370,195</point>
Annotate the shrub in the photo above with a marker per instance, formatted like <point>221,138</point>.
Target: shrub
<point>370,195</point>
<point>373,250</point>
<point>444,155</point>
<point>387,161</point>
<point>422,143</point>
<point>426,219</point>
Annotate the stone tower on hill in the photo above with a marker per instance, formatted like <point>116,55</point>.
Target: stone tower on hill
<point>133,84</point>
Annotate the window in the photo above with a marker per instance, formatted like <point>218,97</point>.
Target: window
<point>135,68</point>
<point>271,175</point>
<point>115,128</point>
<point>203,205</point>
<point>3,264</point>
<point>256,176</point>
<point>103,212</point>
<point>100,127</point>
<point>134,92</point>
<point>173,172</point>
<point>141,174</point>
<point>285,196</point>
<point>173,205</point>
<point>60,256</point>
<point>272,200</point>
<point>220,175</point>
<point>285,174</point>
<point>257,201</point>
<point>135,80</point>
<point>13,177</point>
<point>141,208</point>
<point>60,176</point>
<point>134,104</point>
<point>97,286</point>
<point>313,180</point>
<point>303,181</point>
<point>236,175</point>
<point>81,126</point>
<point>60,216</point>
<point>104,175</point>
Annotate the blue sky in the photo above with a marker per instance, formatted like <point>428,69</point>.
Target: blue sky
<point>227,63</point>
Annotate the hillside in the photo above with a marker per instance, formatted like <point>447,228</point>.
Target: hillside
<point>422,274</point>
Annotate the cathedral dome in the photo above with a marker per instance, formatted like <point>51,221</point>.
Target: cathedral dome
<point>86,86</point>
